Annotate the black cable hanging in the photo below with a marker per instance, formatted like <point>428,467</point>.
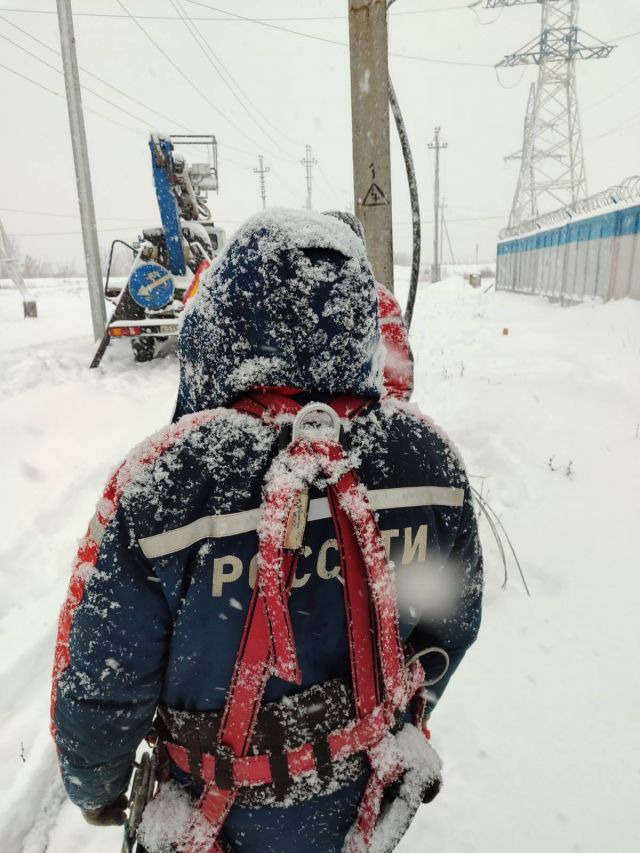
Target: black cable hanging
<point>415,204</point>
<point>413,195</point>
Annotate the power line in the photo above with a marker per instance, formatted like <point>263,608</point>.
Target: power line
<point>216,63</point>
<point>59,71</point>
<point>263,23</point>
<point>184,76</point>
<point>463,219</point>
<point>60,95</point>
<point>96,77</point>
<point>208,47</point>
<point>67,215</point>
<point>30,80</point>
<point>121,92</point>
<point>611,94</point>
<point>128,127</point>
<point>230,19</point>
<point>627,36</point>
<point>70,233</point>
<point>626,125</point>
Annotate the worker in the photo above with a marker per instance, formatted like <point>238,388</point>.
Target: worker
<point>276,588</point>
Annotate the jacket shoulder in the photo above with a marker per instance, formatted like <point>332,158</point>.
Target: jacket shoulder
<point>402,437</point>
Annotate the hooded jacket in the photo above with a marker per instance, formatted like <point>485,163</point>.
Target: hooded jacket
<point>163,577</point>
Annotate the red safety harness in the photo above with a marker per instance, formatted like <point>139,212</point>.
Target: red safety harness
<point>382,686</point>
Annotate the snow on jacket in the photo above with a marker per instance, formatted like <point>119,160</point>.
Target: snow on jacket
<point>163,577</point>
<point>398,359</point>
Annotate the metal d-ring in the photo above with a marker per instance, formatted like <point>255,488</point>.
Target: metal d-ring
<point>314,409</point>
<point>428,651</point>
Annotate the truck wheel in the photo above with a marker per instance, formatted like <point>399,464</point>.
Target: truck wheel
<point>144,349</point>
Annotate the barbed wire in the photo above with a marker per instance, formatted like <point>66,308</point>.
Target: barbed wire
<point>626,191</point>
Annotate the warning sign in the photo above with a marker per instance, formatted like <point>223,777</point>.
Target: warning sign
<point>374,195</point>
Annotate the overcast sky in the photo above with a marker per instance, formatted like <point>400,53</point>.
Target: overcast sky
<point>298,93</point>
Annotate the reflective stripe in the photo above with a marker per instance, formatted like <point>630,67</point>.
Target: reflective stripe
<point>387,321</point>
<point>236,523</point>
<point>207,527</point>
<point>97,530</point>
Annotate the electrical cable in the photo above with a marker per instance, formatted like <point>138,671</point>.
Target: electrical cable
<point>216,63</point>
<point>228,19</point>
<point>463,219</point>
<point>338,43</point>
<point>137,131</point>
<point>415,204</point>
<point>71,233</point>
<point>96,77</point>
<point>60,95</point>
<point>121,92</point>
<point>239,87</point>
<point>31,80</point>
<point>69,215</point>
<point>611,94</point>
<point>626,125</point>
<point>185,77</point>
<point>518,81</point>
<point>59,71</point>
<point>628,36</point>
<point>482,23</point>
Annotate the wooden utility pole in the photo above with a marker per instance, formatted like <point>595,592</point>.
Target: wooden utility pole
<point>83,173</point>
<point>370,131</point>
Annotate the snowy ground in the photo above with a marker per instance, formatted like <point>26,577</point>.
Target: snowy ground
<point>539,730</point>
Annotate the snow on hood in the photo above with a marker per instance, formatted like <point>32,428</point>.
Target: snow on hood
<point>291,303</point>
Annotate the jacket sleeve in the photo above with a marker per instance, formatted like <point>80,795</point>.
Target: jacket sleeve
<point>109,669</point>
<point>454,625</point>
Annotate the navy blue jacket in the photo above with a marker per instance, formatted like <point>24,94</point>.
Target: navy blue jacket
<point>163,579</point>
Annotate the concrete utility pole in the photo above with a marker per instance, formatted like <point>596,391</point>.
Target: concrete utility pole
<point>436,145</point>
<point>262,171</point>
<point>83,173</point>
<point>308,162</point>
<point>370,131</point>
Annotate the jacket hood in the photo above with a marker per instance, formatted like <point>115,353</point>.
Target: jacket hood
<point>291,302</point>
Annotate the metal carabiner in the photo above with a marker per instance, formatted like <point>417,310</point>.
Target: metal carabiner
<point>315,409</point>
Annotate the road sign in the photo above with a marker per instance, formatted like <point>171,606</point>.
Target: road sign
<point>151,286</point>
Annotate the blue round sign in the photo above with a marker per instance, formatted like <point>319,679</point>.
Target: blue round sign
<point>151,286</point>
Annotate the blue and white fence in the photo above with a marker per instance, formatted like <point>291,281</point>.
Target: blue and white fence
<point>596,255</point>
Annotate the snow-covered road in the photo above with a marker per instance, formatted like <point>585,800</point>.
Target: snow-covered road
<point>539,730</point>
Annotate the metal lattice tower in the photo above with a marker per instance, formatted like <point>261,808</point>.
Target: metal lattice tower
<point>524,206</point>
<point>552,168</point>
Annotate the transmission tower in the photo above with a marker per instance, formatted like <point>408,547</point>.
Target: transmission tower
<point>552,169</point>
<point>437,145</point>
<point>524,207</point>
<point>262,171</point>
<point>308,162</point>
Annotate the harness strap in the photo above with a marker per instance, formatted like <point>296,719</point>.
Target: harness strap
<point>258,769</point>
<point>267,646</point>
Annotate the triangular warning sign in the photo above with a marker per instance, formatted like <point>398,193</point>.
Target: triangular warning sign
<point>374,197</point>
